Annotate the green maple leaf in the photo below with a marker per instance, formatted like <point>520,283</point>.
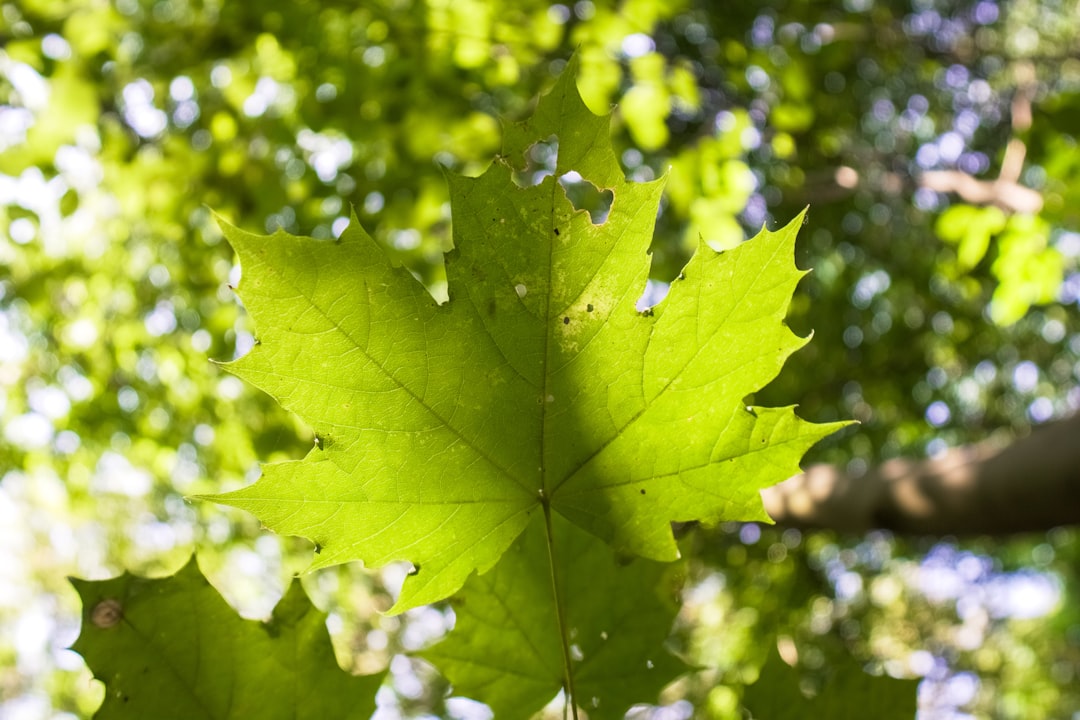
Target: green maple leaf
<point>505,649</point>
<point>850,694</point>
<point>538,388</point>
<point>172,648</point>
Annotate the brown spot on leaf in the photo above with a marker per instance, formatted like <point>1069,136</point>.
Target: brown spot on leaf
<point>107,613</point>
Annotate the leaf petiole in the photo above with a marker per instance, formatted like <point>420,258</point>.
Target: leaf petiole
<point>560,615</point>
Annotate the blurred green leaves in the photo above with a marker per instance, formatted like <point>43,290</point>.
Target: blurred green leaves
<point>848,694</point>
<point>1028,270</point>
<point>970,228</point>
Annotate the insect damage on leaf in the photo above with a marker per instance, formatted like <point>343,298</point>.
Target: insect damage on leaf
<point>537,388</point>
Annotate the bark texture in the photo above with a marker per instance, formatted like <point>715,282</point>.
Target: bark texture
<point>1031,485</point>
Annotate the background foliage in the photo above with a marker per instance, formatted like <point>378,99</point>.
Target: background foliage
<point>935,325</point>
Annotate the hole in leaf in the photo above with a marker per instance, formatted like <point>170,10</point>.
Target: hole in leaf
<point>583,195</point>
<point>539,162</point>
<point>655,291</point>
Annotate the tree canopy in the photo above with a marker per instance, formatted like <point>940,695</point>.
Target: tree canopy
<point>934,142</point>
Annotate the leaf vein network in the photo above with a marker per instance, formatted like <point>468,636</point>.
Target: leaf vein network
<point>650,403</point>
<point>416,398</point>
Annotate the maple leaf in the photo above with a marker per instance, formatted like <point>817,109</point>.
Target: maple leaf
<point>173,648</point>
<point>537,388</point>
<point>850,694</point>
<point>505,648</point>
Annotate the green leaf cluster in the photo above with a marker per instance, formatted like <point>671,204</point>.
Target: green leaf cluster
<point>538,396</point>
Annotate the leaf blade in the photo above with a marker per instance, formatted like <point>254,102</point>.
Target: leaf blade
<point>505,648</point>
<point>717,337</point>
<point>538,386</point>
<point>172,648</point>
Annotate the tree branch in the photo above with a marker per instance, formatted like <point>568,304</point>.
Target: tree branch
<point>1006,191</point>
<point>1006,194</point>
<point>1031,485</point>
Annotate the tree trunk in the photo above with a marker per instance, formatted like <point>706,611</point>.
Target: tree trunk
<point>1031,485</point>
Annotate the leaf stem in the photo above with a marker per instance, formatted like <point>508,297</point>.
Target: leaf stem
<point>560,616</point>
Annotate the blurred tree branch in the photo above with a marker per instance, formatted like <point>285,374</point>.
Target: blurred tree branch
<point>1010,196</point>
<point>1005,191</point>
<point>1030,485</point>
